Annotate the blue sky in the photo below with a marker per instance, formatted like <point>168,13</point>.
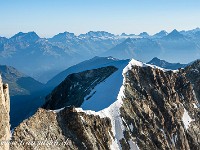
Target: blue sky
<point>49,17</point>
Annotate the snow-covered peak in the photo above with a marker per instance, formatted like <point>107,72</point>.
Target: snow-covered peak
<point>134,62</point>
<point>113,93</point>
<point>174,35</point>
<point>108,88</point>
<point>128,98</point>
<point>112,97</point>
<point>97,101</point>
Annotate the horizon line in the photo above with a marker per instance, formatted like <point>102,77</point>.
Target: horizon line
<point>50,36</point>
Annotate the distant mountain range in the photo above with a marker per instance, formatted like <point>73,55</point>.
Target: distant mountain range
<point>175,46</point>
<point>20,84</point>
<point>43,58</point>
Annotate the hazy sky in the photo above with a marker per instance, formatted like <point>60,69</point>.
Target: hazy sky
<point>49,17</point>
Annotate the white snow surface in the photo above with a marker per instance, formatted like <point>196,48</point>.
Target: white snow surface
<point>134,62</point>
<point>195,106</point>
<point>105,93</point>
<point>57,110</point>
<point>133,146</point>
<point>114,114</point>
<point>131,127</point>
<point>186,119</point>
<point>112,111</point>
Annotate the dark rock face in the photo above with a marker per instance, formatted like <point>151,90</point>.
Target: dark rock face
<point>75,87</point>
<point>67,129</point>
<point>193,75</point>
<point>154,105</point>
<point>4,115</point>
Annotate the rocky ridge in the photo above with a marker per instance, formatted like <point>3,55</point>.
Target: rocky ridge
<point>75,87</point>
<point>66,129</point>
<point>155,109</point>
<point>161,111</point>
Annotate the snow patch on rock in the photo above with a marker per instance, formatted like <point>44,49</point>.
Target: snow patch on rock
<point>131,127</point>
<point>133,146</point>
<point>186,119</point>
<point>195,106</point>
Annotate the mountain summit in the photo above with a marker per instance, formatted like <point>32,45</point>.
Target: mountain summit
<point>174,35</point>
<point>28,37</point>
<point>160,34</point>
<point>144,34</point>
<point>62,37</point>
<point>153,109</point>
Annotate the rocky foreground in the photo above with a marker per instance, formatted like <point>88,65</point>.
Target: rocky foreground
<point>4,115</point>
<point>156,109</point>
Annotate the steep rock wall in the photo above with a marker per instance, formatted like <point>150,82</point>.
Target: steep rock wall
<point>158,110</point>
<point>4,116</point>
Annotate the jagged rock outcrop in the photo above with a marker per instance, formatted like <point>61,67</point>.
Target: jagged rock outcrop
<point>193,75</point>
<point>155,105</point>
<point>155,109</point>
<point>4,116</point>
<point>66,129</point>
